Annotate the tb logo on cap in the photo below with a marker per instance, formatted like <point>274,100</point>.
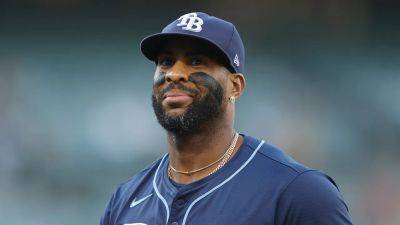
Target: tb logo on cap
<point>190,22</point>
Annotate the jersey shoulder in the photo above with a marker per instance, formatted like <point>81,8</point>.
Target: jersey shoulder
<point>276,164</point>
<point>270,154</point>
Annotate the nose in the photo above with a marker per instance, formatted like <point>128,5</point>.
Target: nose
<point>177,73</point>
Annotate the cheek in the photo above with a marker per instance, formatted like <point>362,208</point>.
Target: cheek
<point>225,85</point>
<point>206,83</point>
<point>157,92</point>
<point>159,79</point>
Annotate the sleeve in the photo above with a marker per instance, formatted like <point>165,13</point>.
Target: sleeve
<point>312,198</point>
<point>106,218</point>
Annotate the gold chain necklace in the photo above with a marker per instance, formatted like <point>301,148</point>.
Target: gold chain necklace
<point>228,156</point>
<point>224,159</point>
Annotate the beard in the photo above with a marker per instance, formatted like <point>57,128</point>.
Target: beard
<point>202,111</point>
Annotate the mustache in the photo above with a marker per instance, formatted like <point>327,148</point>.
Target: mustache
<point>178,86</point>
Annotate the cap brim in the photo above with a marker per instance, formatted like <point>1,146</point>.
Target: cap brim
<point>152,45</point>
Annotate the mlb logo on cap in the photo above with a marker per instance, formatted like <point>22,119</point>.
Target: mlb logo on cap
<point>217,32</point>
<point>191,22</point>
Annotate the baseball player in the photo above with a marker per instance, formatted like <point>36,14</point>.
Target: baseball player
<point>212,175</point>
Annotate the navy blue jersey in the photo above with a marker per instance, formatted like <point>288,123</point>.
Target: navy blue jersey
<point>260,185</point>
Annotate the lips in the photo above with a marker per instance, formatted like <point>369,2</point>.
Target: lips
<point>177,98</point>
<point>175,94</point>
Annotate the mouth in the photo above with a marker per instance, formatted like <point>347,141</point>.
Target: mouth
<point>175,99</point>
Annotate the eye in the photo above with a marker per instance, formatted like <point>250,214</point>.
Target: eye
<point>196,61</point>
<point>165,61</point>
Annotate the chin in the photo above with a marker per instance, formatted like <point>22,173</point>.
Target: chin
<point>175,112</point>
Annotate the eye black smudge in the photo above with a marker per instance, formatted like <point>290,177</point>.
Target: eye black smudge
<point>204,79</point>
<point>200,78</point>
<point>159,79</point>
<point>197,78</point>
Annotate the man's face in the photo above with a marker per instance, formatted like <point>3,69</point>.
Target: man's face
<point>188,89</point>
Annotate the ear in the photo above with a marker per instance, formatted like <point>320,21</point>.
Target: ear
<point>238,84</point>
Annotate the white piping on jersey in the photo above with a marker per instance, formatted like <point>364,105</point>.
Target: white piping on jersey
<point>224,182</point>
<point>156,189</point>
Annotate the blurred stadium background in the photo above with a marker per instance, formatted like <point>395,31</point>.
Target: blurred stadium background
<point>76,118</point>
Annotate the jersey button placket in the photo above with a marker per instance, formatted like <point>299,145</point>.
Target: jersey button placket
<point>176,207</point>
<point>180,202</point>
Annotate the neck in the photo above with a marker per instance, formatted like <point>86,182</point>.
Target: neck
<point>191,152</point>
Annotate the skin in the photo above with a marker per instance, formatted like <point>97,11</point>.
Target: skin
<point>179,62</point>
<point>202,110</point>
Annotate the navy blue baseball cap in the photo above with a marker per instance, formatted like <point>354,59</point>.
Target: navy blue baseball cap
<point>217,32</point>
